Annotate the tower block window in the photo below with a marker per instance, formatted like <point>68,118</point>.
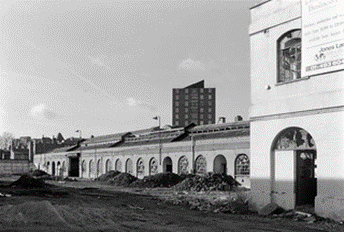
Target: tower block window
<point>289,56</point>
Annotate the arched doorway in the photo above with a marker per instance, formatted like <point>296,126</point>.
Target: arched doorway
<point>183,165</point>
<point>53,168</point>
<point>200,165</point>
<point>58,167</point>
<point>153,166</point>
<point>90,168</point>
<point>293,180</point>
<point>63,168</point>
<point>83,168</point>
<point>220,165</point>
<point>167,165</point>
<point>99,168</point>
<point>118,165</point>
<point>129,166</point>
<point>140,168</point>
<point>108,165</point>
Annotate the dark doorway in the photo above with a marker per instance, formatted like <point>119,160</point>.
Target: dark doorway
<point>167,165</point>
<point>74,166</point>
<point>306,183</point>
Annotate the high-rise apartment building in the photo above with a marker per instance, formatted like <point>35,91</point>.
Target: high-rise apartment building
<point>193,103</point>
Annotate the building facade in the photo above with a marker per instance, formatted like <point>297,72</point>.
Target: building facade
<point>297,133</point>
<point>193,104</point>
<point>217,148</point>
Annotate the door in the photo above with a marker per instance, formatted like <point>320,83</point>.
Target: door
<point>74,167</point>
<point>306,183</point>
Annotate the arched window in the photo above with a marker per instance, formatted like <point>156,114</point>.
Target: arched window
<point>140,167</point>
<point>183,165</point>
<point>129,166</point>
<point>108,165</point>
<point>118,165</point>
<point>153,166</point>
<point>289,56</point>
<point>201,165</point>
<point>242,165</point>
<point>91,168</point>
<point>98,167</point>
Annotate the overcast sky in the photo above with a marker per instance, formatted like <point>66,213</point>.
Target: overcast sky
<point>109,66</point>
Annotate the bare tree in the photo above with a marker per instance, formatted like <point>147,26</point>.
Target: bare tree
<point>6,140</point>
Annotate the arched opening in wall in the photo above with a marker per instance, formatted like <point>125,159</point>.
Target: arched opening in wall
<point>48,167</point>
<point>200,165</point>
<point>53,169</point>
<point>98,168</point>
<point>293,176</point>
<point>153,166</point>
<point>129,166</point>
<point>220,165</point>
<point>183,165</point>
<point>167,165</point>
<point>63,168</point>
<point>58,167</point>
<point>108,165</point>
<point>83,168</point>
<point>90,169</point>
<point>39,167</point>
<point>242,168</point>
<point>140,168</point>
<point>118,165</point>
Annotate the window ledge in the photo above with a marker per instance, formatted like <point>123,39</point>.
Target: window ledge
<point>289,82</point>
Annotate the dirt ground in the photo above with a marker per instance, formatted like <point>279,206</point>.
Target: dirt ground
<point>92,206</point>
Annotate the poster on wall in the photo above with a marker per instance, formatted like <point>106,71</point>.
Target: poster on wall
<point>322,36</point>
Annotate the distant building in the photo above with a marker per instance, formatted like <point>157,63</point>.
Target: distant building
<point>193,104</point>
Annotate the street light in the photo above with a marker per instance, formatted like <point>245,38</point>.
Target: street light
<point>159,118</point>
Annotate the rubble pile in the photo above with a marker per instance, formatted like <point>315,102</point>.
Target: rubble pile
<point>157,180</point>
<point>207,183</point>
<point>107,176</point>
<point>122,179</point>
<point>39,173</point>
<point>27,181</point>
<point>225,204</point>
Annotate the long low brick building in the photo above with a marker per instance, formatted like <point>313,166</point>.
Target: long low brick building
<point>217,148</point>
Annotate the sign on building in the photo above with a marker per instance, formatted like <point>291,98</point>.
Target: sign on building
<point>322,36</point>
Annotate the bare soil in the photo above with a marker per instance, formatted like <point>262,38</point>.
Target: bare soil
<point>93,206</point>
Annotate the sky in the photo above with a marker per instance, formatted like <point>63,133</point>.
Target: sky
<point>105,67</point>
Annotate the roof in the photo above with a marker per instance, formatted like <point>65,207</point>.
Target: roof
<point>199,84</point>
<point>62,149</point>
<point>106,138</point>
<point>220,127</point>
<point>260,3</point>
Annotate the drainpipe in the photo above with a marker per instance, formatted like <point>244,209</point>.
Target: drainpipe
<point>193,143</point>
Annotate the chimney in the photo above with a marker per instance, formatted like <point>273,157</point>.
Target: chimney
<point>221,120</point>
<point>238,118</point>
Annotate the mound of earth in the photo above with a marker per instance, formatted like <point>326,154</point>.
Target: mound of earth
<point>158,180</point>
<point>27,181</point>
<point>122,179</point>
<point>206,183</point>
<point>38,173</point>
<point>107,176</point>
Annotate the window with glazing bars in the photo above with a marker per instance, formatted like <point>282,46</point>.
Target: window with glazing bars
<point>289,56</point>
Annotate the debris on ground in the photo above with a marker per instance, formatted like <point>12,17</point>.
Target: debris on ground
<point>157,180</point>
<point>31,212</point>
<point>208,182</point>
<point>27,181</point>
<point>122,179</point>
<point>217,202</point>
<point>107,176</point>
<point>38,173</point>
<point>271,208</point>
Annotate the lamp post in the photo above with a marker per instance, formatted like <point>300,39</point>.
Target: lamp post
<point>159,118</point>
